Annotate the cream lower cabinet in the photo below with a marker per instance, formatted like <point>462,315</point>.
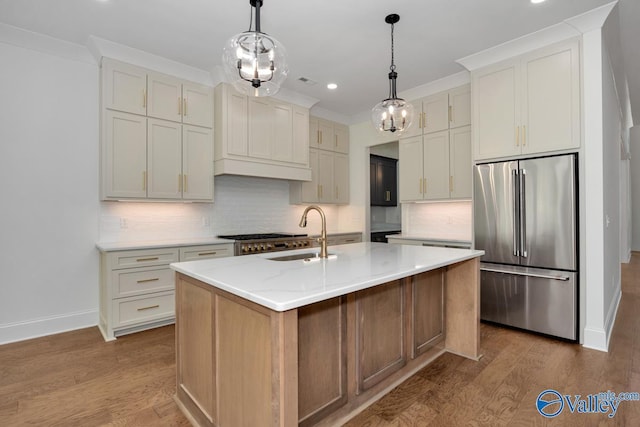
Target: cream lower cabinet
<point>436,166</point>
<point>529,104</point>
<point>329,179</point>
<point>137,286</point>
<point>156,159</point>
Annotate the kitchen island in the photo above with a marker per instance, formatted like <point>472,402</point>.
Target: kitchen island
<point>312,341</point>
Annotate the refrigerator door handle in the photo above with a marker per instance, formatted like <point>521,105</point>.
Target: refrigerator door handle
<point>514,185</point>
<point>518,273</point>
<point>523,214</point>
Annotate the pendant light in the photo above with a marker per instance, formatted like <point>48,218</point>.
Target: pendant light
<point>254,62</point>
<point>392,114</point>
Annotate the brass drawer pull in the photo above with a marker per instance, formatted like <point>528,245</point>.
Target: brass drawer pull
<point>155,258</point>
<point>207,253</point>
<point>149,308</point>
<point>148,280</point>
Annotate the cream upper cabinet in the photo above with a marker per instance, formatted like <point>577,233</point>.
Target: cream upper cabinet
<point>197,105</point>
<point>325,135</point>
<point>197,167</point>
<point>325,177</point>
<point>260,136</point>
<point>460,165</point>
<point>436,166</point>
<point>164,152</point>
<point>145,155</point>
<point>441,111</point>
<point>529,104</point>
<point>341,138</point>
<point>460,106</point>
<point>124,155</point>
<point>341,178</point>
<point>124,87</point>
<point>164,99</point>
<point>435,113</point>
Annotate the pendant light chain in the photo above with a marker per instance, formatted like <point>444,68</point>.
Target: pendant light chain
<point>393,65</point>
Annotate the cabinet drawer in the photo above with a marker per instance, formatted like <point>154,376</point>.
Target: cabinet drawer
<point>193,253</point>
<point>135,310</point>
<point>138,281</point>
<point>143,258</point>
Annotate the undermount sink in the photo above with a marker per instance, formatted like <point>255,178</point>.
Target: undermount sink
<point>307,256</point>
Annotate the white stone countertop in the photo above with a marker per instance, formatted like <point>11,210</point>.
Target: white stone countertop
<point>168,243</point>
<point>285,285</point>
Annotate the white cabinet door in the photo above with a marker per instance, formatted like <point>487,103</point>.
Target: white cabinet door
<point>436,166</point>
<point>197,105</point>
<point>496,111</point>
<point>124,87</point>
<point>301,134</point>
<point>165,97</point>
<point>282,125</point>
<point>460,106</point>
<point>236,129</point>
<point>436,113</point>
<point>124,155</point>
<point>341,178</point>
<point>314,133</point>
<point>410,168</point>
<point>417,124</point>
<point>551,100</point>
<point>197,163</point>
<point>460,166</point>
<point>164,159</point>
<point>325,134</point>
<point>260,128</point>
<point>325,176</point>
<point>341,138</point>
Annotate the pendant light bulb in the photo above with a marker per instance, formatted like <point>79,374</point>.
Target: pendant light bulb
<point>255,63</point>
<point>392,114</point>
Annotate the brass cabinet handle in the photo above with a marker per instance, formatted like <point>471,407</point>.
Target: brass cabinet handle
<point>148,280</point>
<point>184,107</point>
<point>155,258</point>
<point>144,98</point>
<point>184,177</point>
<point>206,253</point>
<point>420,185</point>
<point>149,308</point>
<point>388,196</point>
<point>450,183</point>
<point>144,180</point>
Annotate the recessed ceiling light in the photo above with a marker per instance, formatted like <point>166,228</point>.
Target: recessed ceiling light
<point>537,1</point>
<point>332,86</point>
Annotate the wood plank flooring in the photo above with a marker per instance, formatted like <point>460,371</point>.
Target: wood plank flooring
<point>76,379</point>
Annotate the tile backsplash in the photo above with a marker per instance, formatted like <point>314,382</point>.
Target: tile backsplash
<point>242,205</point>
<point>451,220</point>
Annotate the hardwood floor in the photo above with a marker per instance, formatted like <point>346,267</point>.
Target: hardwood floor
<point>76,379</point>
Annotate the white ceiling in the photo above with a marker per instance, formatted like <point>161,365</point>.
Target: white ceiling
<point>341,41</point>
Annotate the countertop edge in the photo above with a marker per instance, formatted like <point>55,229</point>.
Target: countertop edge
<point>127,246</point>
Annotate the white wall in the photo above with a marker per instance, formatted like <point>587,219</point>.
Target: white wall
<point>49,170</point>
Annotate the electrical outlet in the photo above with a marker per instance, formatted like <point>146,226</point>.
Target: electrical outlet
<point>205,221</point>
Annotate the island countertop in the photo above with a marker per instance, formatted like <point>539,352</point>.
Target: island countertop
<point>286,285</point>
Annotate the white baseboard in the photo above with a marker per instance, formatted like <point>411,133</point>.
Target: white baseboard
<point>598,338</point>
<point>20,331</point>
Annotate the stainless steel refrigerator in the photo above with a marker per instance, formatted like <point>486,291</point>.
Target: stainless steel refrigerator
<point>525,221</point>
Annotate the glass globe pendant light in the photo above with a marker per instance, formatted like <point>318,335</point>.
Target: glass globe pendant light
<point>392,114</point>
<point>254,62</point>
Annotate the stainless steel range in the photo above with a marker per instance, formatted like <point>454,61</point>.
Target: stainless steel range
<point>248,244</point>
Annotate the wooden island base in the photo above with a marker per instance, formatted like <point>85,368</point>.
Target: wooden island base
<point>242,364</point>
